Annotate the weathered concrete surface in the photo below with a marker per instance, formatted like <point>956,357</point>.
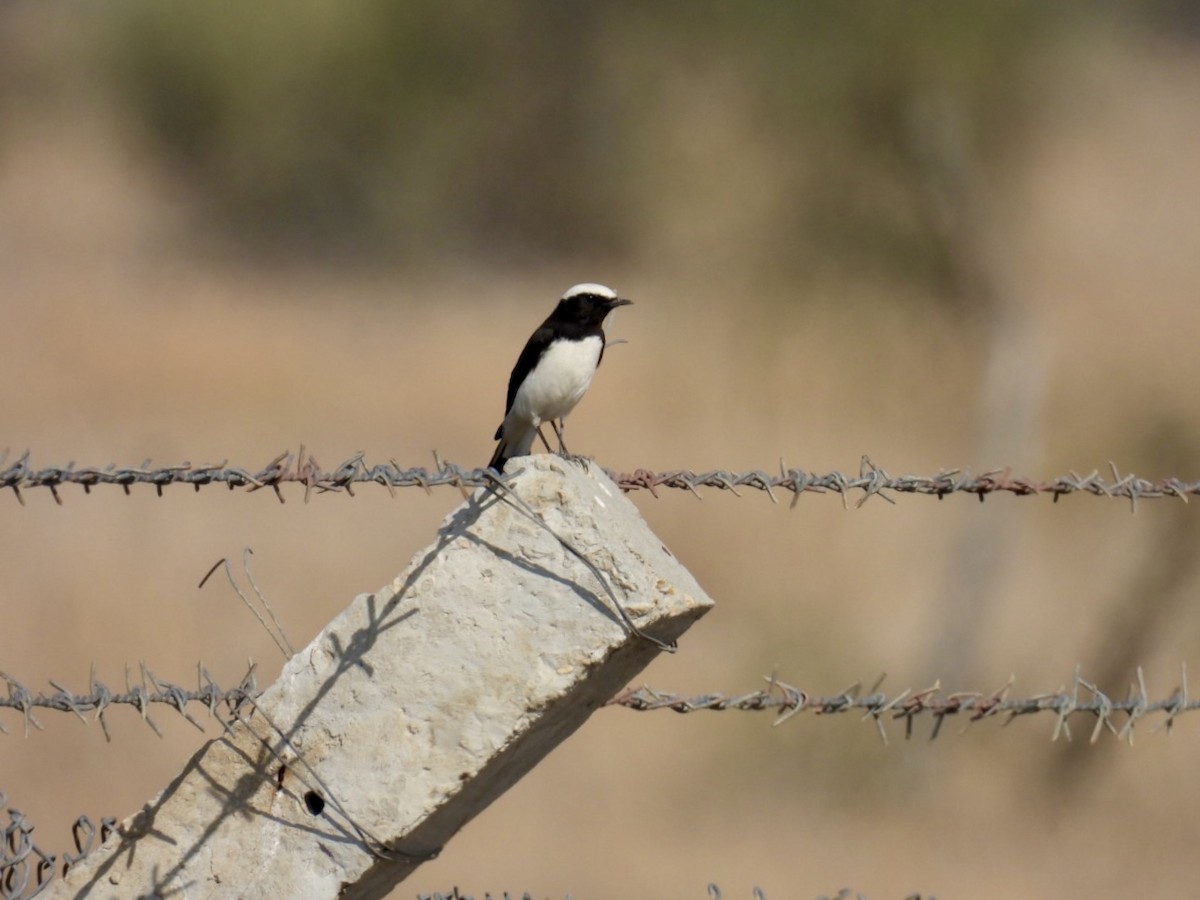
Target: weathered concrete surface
<point>416,707</point>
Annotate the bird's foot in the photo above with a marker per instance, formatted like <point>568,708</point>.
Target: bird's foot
<point>575,458</point>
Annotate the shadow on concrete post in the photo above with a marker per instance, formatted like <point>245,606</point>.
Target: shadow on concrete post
<point>416,707</point>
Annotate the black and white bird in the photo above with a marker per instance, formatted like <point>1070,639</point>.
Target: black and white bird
<point>555,369</point>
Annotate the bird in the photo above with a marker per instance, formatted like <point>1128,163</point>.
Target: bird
<point>554,370</point>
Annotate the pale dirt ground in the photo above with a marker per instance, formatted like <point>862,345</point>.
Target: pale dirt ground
<point>116,346</point>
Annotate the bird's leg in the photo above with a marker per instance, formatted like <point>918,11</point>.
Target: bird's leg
<point>545,443</point>
<point>560,425</point>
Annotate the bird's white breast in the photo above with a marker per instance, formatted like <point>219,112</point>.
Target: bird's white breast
<point>559,380</point>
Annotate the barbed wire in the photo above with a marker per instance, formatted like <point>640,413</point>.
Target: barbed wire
<point>151,691</point>
<point>303,469</point>
<point>713,892</point>
<point>25,869</point>
<point>1083,698</point>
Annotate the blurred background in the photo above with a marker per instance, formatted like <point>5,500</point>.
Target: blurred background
<point>947,236</point>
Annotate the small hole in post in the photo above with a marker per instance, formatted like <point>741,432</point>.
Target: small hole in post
<point>314,803</point>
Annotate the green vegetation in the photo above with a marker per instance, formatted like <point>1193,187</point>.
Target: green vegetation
<point>534,128</point>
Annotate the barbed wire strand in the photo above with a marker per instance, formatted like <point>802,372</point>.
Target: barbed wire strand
<point>1082,697</point>
<point>1119,717</point>
<point>25,869</point>
<point>713,892</point>
<point>152,691</point>
<point>303,469</point>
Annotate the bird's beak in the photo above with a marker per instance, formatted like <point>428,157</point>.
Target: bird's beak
<point>621,301</point>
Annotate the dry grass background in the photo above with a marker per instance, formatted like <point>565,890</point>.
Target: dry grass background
<point>117,343</point>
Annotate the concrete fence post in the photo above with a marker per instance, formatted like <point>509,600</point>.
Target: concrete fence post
<point>416,707</point>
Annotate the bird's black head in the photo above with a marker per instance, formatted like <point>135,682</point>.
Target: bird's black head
<point>588,304</point>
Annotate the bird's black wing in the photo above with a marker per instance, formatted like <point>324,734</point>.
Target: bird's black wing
<point>534,348</point>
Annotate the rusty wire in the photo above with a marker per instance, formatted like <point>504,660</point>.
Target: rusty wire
<point>303,469</point>
<point>1082,698</point>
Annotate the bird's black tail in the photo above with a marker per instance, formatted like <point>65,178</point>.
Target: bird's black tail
<point>499,458</point>
<point>515,439</point>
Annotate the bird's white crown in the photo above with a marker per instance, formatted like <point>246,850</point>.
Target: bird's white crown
<point>590,288</point>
